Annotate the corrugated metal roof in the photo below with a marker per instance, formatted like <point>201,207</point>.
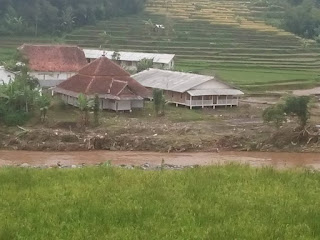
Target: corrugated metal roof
<point>170,80</point>
<point>130,56</point>
<point>219,92</point>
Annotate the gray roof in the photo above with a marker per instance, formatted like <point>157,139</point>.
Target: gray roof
<point>218,92</point>
<point>170,80</point>
<point>130,56</point>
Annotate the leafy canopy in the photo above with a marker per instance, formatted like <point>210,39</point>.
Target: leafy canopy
<point>293,105</point>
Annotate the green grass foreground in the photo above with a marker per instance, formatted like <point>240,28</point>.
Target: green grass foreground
<point>219,202</point>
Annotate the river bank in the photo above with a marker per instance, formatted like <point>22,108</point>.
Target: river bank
<point>277,160</point>
<point>179,130</point>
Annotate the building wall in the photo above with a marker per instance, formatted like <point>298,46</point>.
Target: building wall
<point>129,65</point>
<point>123,105</point>
<point>137,104</point>
<point>6,76</point>
<point>132,65</point>
<point>68,99</point>
<point>109,104</point>
<point>176,97</point>
<point>52,75</point>
<point>200,101</point>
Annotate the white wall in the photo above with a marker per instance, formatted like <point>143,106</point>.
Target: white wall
<point>5,76</point>
<point>52,75</point>
<point>109,104</point>
<point>137,104</point>
<point>123,105</point>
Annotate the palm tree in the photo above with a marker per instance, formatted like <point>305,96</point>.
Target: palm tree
<point>150,26</point>
<point>96,109</point>
<point>144,64</point>
<point>158,101</point>
<point>43,103</point>
<point>105,38</point>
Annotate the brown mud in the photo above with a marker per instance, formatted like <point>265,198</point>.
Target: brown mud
<point>180,130</point>
<point>278,160</point>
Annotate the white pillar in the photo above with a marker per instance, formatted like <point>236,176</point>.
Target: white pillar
<point>190,102</point>
<point>202,102</point>
<point>226,100</point>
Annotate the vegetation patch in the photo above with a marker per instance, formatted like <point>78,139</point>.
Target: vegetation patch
<point>223,202</point>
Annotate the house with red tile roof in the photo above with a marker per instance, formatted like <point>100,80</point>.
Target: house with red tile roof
<point>114,86</point>
<point>53,64</point>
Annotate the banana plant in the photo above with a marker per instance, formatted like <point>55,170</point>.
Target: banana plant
<point>84,105</point>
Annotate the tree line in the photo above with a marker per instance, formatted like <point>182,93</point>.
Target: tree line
<point>301,17</point>
<point>33,17</point>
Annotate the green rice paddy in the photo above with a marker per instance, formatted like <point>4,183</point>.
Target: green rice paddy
<point>220,202</point>
<point>228,38</point>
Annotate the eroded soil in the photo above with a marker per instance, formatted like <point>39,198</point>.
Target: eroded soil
<point>182,130</point>
<point>256,159</point>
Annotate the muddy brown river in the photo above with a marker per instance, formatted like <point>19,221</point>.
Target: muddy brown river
<point>257,159</point>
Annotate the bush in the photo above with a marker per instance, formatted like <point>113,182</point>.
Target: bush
<point>58,104</point>
<point>15,118</point>
<point>274,114</point>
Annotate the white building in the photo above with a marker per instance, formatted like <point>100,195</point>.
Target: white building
<point>189,89</point>
<point>129,60</point>
<point>6,76</point>
<point>53,64</point>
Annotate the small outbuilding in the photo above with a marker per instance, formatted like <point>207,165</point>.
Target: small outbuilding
<point>188,89</point>
<point>53,64</point>
<point>115,88</point>
<point>129,60</point>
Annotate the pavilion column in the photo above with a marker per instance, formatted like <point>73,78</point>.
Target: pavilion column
<point>190,102</point>
<point>213,105</point>
<point>202,102</point>
<point>226,101</point>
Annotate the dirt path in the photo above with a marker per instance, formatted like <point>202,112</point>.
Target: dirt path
<point>312,91</point>
<point>278,160</point>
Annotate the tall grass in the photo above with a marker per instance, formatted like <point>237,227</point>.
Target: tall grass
<point>6,54</point>
<point>221,202</point>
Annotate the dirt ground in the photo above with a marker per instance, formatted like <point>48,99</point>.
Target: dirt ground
<point>152,160</point>
<point>180,130</point>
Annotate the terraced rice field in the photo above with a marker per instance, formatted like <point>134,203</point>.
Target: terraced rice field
<point>225,37</point>
<point>215,37</point>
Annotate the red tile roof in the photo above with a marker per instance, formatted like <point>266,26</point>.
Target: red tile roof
<point>54,58</point>
<point>104,77</point>
<point>103,67</point>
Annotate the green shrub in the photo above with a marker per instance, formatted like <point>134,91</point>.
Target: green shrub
<point>15,118</point>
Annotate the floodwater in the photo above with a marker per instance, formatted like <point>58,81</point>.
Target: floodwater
<point>257,159</point>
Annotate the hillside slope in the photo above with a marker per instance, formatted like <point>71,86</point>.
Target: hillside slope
<point>226,37</point>
<point>214,36</point>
